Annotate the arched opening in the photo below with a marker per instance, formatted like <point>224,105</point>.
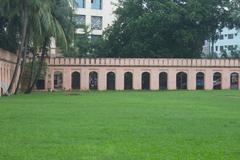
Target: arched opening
<point>163,81</point>
<point>182,80</point>
<point>58,80</point>
<point>128,81</point>
<point>93,81</point>
<point>111,81</point>
<point>145,81</point>
<point>200,85</point>
<point>75,80</point>
<point>234,80</point>
<point>217,80</point>
<point>40,85</point>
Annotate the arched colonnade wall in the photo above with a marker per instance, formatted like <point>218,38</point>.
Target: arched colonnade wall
<point>188,74</point>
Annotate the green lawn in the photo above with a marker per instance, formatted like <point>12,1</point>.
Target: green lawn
<point>203,125</point>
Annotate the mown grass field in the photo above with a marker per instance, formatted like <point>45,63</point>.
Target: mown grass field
<point>183,125</point>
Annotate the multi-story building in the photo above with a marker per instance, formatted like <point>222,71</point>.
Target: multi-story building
<point>206,47</point>
<point>97,15</point>
<point>228,40</point>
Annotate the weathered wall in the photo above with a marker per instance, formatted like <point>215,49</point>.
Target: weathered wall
<point>138,66</point>
<point>102,66</point>
<point>7,64</point>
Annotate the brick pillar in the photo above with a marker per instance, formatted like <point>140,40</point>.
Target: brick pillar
<point>191,80</point>
<point>84,79</point>
<point>137,79</point>
<point>67,79</point>
<point>226,79</point>
<point>172,80</point>
<point>119,82</point>
<point>102,80</point>
<point>208,79</point>
<point>154,80</point>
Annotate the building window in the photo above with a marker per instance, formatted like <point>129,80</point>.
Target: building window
<point>80,20</point>
<point>230,48</point>
<point>221,48</point>
<point>96,4</point>
<point>230,36</point>
<point>95,38</point>
<point>80,3</point>
<point>221,37</point>
<point>236,34</point>
<point>96,22</point>
<point>216,48</point>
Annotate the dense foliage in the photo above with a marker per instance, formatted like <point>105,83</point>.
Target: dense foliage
<point>84,45</point>
<point>153,28</point>
<point>30,25</point>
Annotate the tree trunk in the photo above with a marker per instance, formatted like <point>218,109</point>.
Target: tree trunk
<point>32,70</point>
<point>22,67</point>
<point>20,49</point>
<point>42,59</point>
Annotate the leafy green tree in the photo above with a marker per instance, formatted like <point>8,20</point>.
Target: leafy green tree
<point>8,35</point>
<point>85,44</point>
<point>153,28</point>
<point>30,72</point>
<point>38,22</point>
<point>57,23</point>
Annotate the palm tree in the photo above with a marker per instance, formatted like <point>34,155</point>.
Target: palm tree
<point>58,25</point>
<point>10,9</point>
<point>39,21</point>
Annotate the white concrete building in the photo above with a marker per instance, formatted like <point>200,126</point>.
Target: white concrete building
<point>97,15</point>
<point>228,40</point>
<point>206,47</point>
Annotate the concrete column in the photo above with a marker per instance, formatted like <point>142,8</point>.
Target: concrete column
<point>137,79</point>
<point>102,80</point>
<point>88,9</point>
<point>154,79</point>
<point>226,79</point>
<point>67,79</point>
<point>88,4</point>
<point>119,82</point>
<point>208,78</point>
<point>84,79</point>
<point>172,79</point>
<point>191,80</point>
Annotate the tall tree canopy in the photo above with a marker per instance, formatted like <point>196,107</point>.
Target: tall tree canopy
<point>166,28</point>
<point>36,22</point>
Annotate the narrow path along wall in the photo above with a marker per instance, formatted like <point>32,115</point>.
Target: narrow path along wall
<point>141,74</point>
